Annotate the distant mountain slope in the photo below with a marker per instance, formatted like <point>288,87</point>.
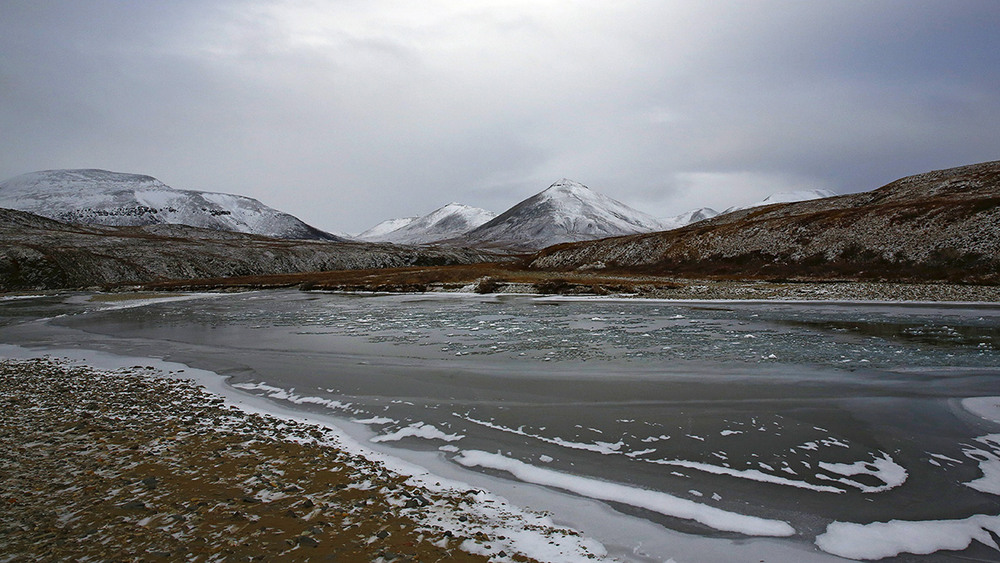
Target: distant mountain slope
<point>385,227</point>
<point>39,253</point>
<point>942,225</point>
<point>446,222</point>
<point>687,218</point>
<point>566,211</point>
<point>785,197</point>
<point>100,197</point>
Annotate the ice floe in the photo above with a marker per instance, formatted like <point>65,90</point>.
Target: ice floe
<point>882,468</point>
<point>418,430</point>
<point>989,464</point>
<point>887,539</point>
<point>280,394</point>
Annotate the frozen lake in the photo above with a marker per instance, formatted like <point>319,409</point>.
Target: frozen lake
<point>810,423</point>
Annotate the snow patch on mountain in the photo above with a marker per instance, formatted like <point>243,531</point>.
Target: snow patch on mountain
<point>447,222</point>
<point>567,211</point>
<point>785,197</point>
<point>687,218</point>
<point>389,225</point>
<point>101,197</point>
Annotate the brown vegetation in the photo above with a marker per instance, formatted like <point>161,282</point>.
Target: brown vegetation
<point>941,226</point>
<point>122,466</point>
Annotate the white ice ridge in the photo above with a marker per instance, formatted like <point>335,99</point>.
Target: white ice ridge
<point>418,430</point>
<point>883,468</point>
<point>273,392</point>
<point>133,303</point>
<point>656,501</point>
<point>750,474</point>
<point>887,539</point>
<point>605,448</point>
<point>375,420</point>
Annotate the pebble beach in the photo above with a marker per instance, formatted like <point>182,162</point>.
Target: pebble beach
<point>131,465</point>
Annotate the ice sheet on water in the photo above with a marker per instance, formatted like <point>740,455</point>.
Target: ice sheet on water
<point>606,448</point>
<point>596,330</point>
<point>656,501</point>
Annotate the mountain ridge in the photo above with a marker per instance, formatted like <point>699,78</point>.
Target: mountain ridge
<point>102,197</point>
<point>40,253</point>
<point>943,225</point>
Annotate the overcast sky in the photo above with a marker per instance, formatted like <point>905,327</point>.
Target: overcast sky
<point>349,112</point>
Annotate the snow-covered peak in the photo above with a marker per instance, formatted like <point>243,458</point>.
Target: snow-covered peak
<point>566,187</point>
<point>456,212</point>
<point>446,222</point>
<point>786,197</point>
<point>389,225</point>
<point>93,196</point>
<point>565,211</point>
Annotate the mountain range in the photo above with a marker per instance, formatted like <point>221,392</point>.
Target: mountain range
<point>567,211</point>
<point>937,226</point>
<point>39,253</point>
<point>100,197</point>
<point>940,225</point>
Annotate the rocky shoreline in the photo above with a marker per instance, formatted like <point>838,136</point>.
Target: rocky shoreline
<point>648,288</point>
<point>137,465</point>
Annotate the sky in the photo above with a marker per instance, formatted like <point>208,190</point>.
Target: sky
<point>348,112</point>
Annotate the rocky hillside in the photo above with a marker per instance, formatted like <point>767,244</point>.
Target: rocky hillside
<point>942,225</point>
<point>687,218</point>
<point>39,253</point>
<point>100,197</point>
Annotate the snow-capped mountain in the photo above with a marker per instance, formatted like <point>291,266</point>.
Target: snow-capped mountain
<point>940,225</point>
<point>448,222</point>
<point>567,211</point>
<point>389,225</point>
<point>101,197</point>
<point>688,217</point>
<point>785,197</point>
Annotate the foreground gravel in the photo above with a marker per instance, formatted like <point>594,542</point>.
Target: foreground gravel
<point>124,466</point>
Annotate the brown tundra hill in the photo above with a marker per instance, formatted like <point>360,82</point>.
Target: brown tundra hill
<point>938,226</point>
<point>38,253</point>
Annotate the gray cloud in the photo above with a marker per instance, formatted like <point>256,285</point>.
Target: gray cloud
<point>350,112</point>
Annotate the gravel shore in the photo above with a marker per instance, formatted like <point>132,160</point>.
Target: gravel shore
<point>127,465</point>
